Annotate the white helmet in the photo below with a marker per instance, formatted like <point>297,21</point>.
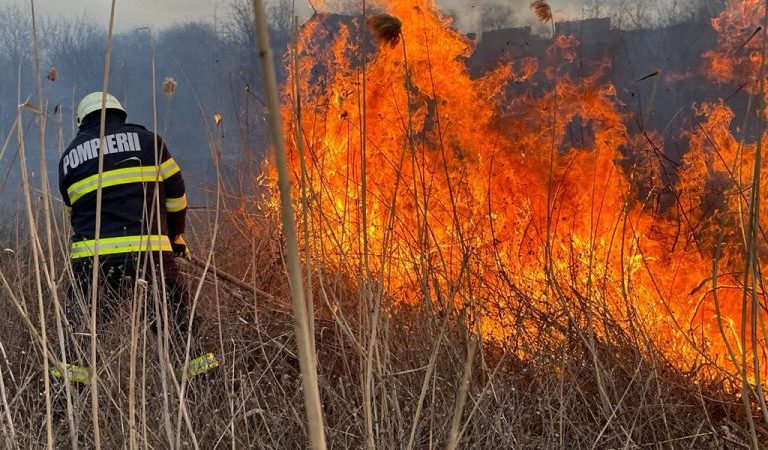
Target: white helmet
<point>92,102</point>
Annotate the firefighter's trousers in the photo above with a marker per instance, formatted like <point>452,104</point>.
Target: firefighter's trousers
<point>126,284</point>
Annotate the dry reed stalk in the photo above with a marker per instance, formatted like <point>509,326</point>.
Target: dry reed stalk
<point>7,413</point>
<point>594,223</point>
<point>139,298</point>
<point>144,402</point>
<point>757,307</point>
<point>668,309</point>
<point>544,13</point>
<point>716,299</point>
<point>388,31</point>
<point>253,279</point>
<point>206,266</point>
<point>465,251</point>
<point>425,265</point>
<point>11,434</point>
<point>305,180</point>
<point>539,8</point>
<point>215,153</point>
<point>363,106</point>
<point>216,157</point>
<point>752,264</point>
<point>461,397</point>
<point>231,279</point>
<point>43,155</point>
<point>307,361</point>
<point>743,203</point>
<point>232,412</point>
<point>430,369</point>
<point>335,308</point>
<point>339,318</point>
<point>97,233</point>
<point>616,408</point>
<point>365,292</point>
<point>454,433</point>
<point>160,294</point>
<point>463,273</point>
<point>36,262</point>
<point>217,299</point>
<point>50,267</point>
<point>23,314</point>
<point>488,387</point>
<point>8,137</point>
<point>58,313</point>
<point>389,389</point>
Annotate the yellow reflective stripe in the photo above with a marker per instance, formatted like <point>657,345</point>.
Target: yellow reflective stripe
<point>176,204</point>
<point>122,244</point>
<point>78,374</point>
<point>139,174</point>
<point>169,168</point>
<point>201,365</point>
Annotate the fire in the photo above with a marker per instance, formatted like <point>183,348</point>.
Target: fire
<point>453,191</point>
<point>740,31</point>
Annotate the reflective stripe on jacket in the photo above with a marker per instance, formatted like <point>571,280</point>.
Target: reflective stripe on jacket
<point>122,244</point>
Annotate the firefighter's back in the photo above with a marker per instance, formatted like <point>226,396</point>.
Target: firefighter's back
<point>135,164</point>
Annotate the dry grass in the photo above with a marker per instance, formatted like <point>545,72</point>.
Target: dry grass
<point>533,393</point>
<point>390,374</point>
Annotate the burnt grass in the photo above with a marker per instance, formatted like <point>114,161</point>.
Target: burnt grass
<point>540,391</point>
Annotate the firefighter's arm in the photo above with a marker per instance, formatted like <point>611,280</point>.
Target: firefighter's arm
<point>175,199</point>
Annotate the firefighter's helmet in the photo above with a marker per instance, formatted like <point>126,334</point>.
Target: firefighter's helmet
<point>92,102</point>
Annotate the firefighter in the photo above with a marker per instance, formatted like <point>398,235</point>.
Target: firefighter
<point>138,240</point>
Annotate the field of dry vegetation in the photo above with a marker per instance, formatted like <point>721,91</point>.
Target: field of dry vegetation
<point>551,398</point>
<point>406,311</point>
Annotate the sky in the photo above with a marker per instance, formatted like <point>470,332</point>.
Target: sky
<point>162,13</point>
<point>133,13</point>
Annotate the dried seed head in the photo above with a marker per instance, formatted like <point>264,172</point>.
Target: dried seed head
<point>386,29</point>
<point>53,74</point>
<point>217,118</point>
<point>30,106</point>
<point>169,87</point>
<point>542,9</point>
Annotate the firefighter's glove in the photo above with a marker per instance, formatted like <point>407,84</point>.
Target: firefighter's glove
<point>180,247</point>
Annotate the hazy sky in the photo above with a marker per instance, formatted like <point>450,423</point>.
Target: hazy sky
<point>132,13</point>
<point>161,13</point>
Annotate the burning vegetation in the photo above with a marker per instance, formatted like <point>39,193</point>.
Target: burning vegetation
<point>447,189</point>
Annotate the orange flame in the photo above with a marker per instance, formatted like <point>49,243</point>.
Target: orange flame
<point>457,184</point>
<point>737,58</point>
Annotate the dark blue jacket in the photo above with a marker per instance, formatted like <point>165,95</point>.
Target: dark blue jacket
<point>136,165</point>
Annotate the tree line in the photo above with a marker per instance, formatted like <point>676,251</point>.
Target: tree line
<point>214,65</point>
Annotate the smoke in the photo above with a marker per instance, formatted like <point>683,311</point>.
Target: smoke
<point>479,16</point>
<point>496,15</point>
<point>631,14</point>
<point>491,15</point>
